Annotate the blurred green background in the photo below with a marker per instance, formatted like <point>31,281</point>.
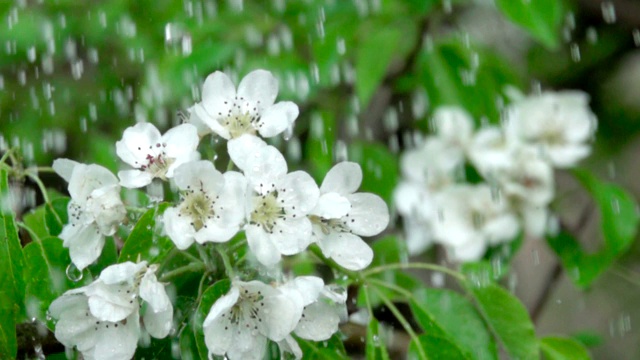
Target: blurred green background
<point>365,73</point>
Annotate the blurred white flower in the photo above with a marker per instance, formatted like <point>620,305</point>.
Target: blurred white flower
<point>453,125</point>
<point>102,319</point>
<point>277,202</point>
<point>249,110</point>
<point>95,209</point>
<point>240,322</point>
<point>212,207</point>
<point>470,218</point>
<point>154,155</point>
<point>342,216</point>
<point>560,123</point>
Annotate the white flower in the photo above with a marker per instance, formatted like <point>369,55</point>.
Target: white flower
<point>491,151</point>
<point>102,319</point>
<point>250,109</point>
<point>212,207</point>
<point>154,155</point>
<point>320,318</point>
<point>277,202</point>
<point>342,216</point>
<point>95,209</point>
<point>560,123</point>
<point>470,218</point>
<point>240,322</point>
<point>434,165</point>
<point>453,125</point>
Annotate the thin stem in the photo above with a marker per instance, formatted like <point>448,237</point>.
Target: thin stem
<point>403,321</point>
<point>5,156</point>
<point>189,268</point>
<point>45,195</point>
<point>404,292</point>
<point>625,274</point>
<point>227,263</point>
<point>191,257</point>
<point>204,256</point>
<point>41,169</point>
<point>136,209</point>
<point>423,266</point>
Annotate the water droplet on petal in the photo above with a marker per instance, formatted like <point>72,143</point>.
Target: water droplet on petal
<point>73,273</point>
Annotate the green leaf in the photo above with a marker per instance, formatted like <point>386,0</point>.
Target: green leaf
<point>541,18</point>
<point>588,338</point>
<point>11,272</point>
<point>47,262</point>
<point>144,243</point>
<point>379,168</point>
<point>619,223</point>
<point>56,215</point>
<point>319,145</point>
<point>374,55</point>
<point>560,348</point>
<point>108,257</point>
<point>34,220</point>
<point>509,321</point>
<point>436,348</point>
<point>454,315</point>
<point>375,348</point>
<point>482,273</point>
<point>325,350</point>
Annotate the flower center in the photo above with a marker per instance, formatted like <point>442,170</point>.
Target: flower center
<point>240,124</point>
<point>327,225</point>
<point>266,211</point>
<point>198,206</point>
<point>157,163</point>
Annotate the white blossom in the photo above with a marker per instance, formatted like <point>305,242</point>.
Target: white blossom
<point>560,123</point>
<point>154,155</point>
<point>95,209</point>
<point>212,206</point>
<point>250,109</point>
<point>453,125</point>
<point>342,216</point>
<point>321,317</point>
<point>277,202</point>
<point>240,322</point>
<point>103,319</point>
<point>470,218</point>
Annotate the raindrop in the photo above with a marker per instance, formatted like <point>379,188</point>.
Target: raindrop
<point>636,37</point>
<point>575,52</point>
<point>31,54</point>
<point>615,205</point>
<point>592,35</point>
<point>73,274</point>
<point>608,12</point>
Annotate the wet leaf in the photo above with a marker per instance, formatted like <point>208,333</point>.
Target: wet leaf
<point>374,56</point>
<point>435,347</point>
<point>540,18</point>
<point>560,348</point>
<point>144,243</point>
<point>56,215</point>
<point>376,348</point>
<point>324,350</point>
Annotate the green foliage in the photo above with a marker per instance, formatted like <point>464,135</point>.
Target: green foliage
<point>450,315</point>
<point>323,350</point>
<point>56,215</point>
<point>508,320</point>
<point>540,18</point>
<point>374,55</point>
<point>12,266</point>
<point>144,243</point>
<point>379,168</point>
<point>619,221</point>
<point>560,348</point>
<point>208,298</point>
<point>436,348</point>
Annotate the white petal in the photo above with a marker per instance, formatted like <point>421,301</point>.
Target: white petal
<point>154,292</point>
<point>120,273</point>
<point>218,334</point>
<point>73,326</point>
<point>282,316</point>
<point>222,305</point>
<point>133,179</point>
<point>232,199</point>
<point>308,286</point>
<point>536,219</point>
<point>320,321</point>
<point>259,86</point>
<point>217,90</point>
<point>158,324</point>
<point>242,148</point>
<point>180,141</point>
<point>290,345</point>
<point>453,124</point>
<point>369,214</point>
<point>85,247</point>
<point>331,206</point>
<point>501,229</point>
<point>277,118</point>
<point>178,228</point>
<point>291,236</point>
<point>298,193</point>
<point>108,304</point>
<point>247,346</point>
<point>348,250</point>
<point>214,232</point>
<point>64,168</point>
<point>211,121</point>
<point>117,343</point>
<point>344,178</point>
<point>195,120</point>
<point>264,169</point>
<point>197,175</point>
<point>87,178</point>
<point>466,252</point>
<point>135,143</point>
<point>261,246</point>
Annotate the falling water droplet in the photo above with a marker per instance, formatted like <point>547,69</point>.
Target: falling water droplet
<point>636,36</point>
<point>73,273</point>
<point>608,12</point>
<point>575,52</point>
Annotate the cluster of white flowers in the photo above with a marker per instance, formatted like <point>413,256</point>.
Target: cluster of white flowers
<point>240,322</point>
<point>103,319</point>
<point>516,161</point>
<point>280,212</point>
